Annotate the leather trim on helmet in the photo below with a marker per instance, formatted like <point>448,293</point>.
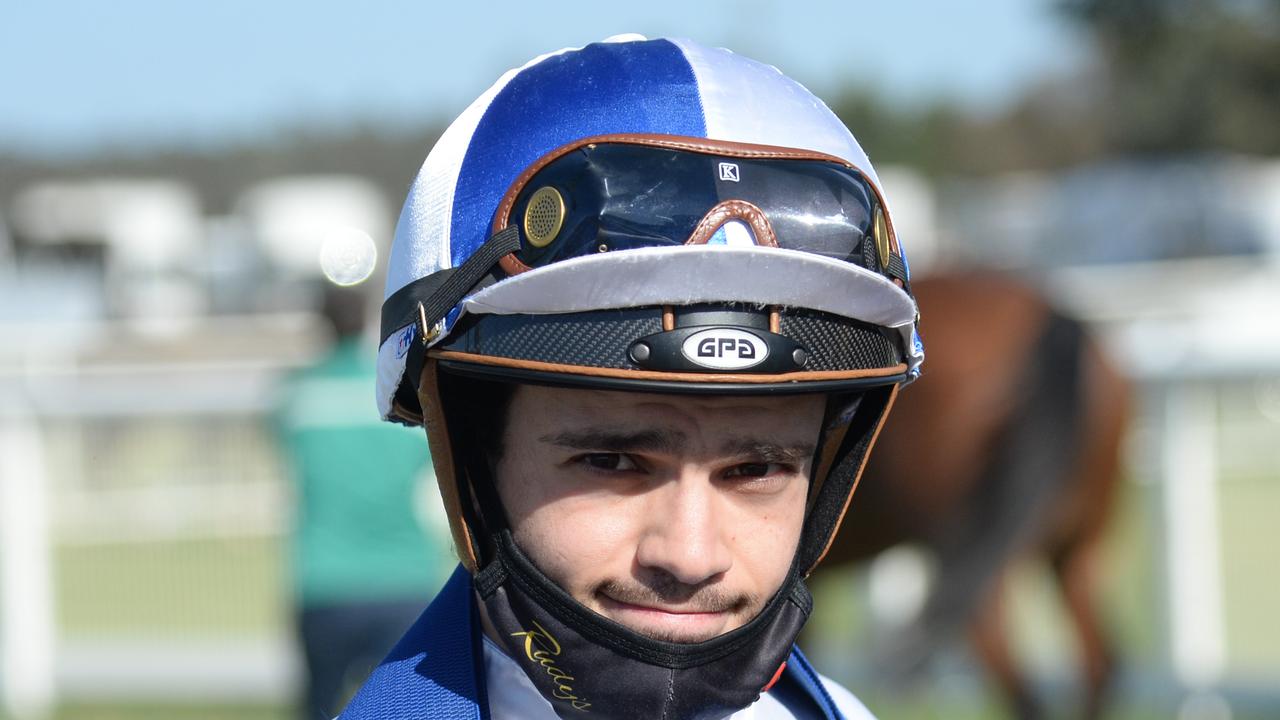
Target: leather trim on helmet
<point>730,210</point>
<point>831,444</point>
<point>857,478</point>
<point>800,377</point>
<point>438,439</point>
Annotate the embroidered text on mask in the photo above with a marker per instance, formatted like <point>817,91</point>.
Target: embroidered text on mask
<point>548,648</point>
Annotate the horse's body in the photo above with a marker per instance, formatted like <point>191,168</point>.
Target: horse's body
<point>1006,448</point>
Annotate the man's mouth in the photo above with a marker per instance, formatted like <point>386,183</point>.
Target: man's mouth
<point>683,624</point>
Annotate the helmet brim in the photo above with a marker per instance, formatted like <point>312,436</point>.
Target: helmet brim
<point>690,274</point>
<point>680,275</point>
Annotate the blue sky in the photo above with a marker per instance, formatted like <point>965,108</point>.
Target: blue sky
<point>75,75</point>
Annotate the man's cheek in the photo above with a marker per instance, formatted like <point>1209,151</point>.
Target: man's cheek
<point>550,551</point>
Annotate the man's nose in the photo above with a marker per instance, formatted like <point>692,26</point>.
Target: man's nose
<point>685,535</point>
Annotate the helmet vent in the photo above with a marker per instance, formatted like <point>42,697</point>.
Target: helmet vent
<point>543,216</point>
<point>880,231</point>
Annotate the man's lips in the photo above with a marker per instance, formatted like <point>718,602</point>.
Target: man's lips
<point>662,610</point>
<point>676,624</point>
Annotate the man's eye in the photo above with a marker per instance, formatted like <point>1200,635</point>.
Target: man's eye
<point>753,470</point>
<point>610,461</point>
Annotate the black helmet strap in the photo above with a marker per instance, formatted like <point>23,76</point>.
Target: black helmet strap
<point>428,299</point>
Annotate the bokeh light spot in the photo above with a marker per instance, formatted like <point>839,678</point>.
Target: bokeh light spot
<point>348,256</point>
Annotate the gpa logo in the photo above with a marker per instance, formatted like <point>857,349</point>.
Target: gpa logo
<point>724,349</point>
<point>729,171</point>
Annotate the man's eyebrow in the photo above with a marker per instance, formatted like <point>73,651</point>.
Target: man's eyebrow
<point>769,451</point>
<point>606,440</point>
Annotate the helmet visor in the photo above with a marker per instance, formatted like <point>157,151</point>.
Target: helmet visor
<point>619,196</point>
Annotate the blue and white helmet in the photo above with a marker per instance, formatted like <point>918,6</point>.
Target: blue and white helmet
<point>529,245</point>
<point>652,216</point>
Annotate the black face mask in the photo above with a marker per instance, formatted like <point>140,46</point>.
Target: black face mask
<point>589,666</point>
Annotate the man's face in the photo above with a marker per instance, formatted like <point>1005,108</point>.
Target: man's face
<point>677,516</point>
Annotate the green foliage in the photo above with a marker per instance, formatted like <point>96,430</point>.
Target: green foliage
<point>1169,77</point>
<point>922,138</point>
<point>1187,75</point>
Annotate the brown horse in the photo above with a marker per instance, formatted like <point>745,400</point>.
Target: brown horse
<point>1006,448</point>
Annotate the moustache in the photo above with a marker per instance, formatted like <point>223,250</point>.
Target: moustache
<point>666,591</point>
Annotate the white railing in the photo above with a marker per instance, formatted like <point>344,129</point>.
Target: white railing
<point>104,465</point>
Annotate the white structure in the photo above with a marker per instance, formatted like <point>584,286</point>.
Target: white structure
<point>26,576</point>
<point>292,217</point>
<point>148,231</point>
<point>1182,326</point>
<point>914,205</point>
<point>1116,212</point>
<point>1258,183</point>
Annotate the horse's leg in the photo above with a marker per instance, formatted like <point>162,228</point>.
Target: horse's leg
<point>1074,570</point>
<point>991,644</point>
<point>1027,471</point>
<point>1074,556</point>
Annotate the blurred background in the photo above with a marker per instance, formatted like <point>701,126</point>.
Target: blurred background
<point>169,174</point>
